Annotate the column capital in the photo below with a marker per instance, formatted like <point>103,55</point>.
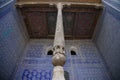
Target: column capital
<point>59,6</point>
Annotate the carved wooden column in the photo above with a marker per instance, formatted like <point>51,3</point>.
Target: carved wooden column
<point>59,58</point>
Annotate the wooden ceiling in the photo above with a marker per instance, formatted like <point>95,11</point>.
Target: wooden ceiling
<point>86,1</point>
<point>79,20</point>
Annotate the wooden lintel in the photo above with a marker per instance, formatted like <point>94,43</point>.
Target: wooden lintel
<point>49,4</point>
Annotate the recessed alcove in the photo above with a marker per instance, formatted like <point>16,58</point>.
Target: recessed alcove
<point>73,52</point>
<point>50,52</point>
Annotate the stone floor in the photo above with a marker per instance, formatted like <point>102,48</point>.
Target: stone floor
<point>87,64</point>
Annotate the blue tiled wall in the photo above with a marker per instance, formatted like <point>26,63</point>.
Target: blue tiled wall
<point>12,40</point>
<point>107,36</point>
<point>86,65</point>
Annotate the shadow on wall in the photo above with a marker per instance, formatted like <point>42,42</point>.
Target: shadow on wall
<point>66,74</point>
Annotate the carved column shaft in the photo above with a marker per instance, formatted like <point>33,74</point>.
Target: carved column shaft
<point>59,34</point>
<point>58,59</point>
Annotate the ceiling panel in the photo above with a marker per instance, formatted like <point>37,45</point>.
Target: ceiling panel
<point>79,21</point>
<point>36,24</point>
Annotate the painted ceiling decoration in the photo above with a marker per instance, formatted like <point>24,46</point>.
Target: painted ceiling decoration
<point>79,20</point>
